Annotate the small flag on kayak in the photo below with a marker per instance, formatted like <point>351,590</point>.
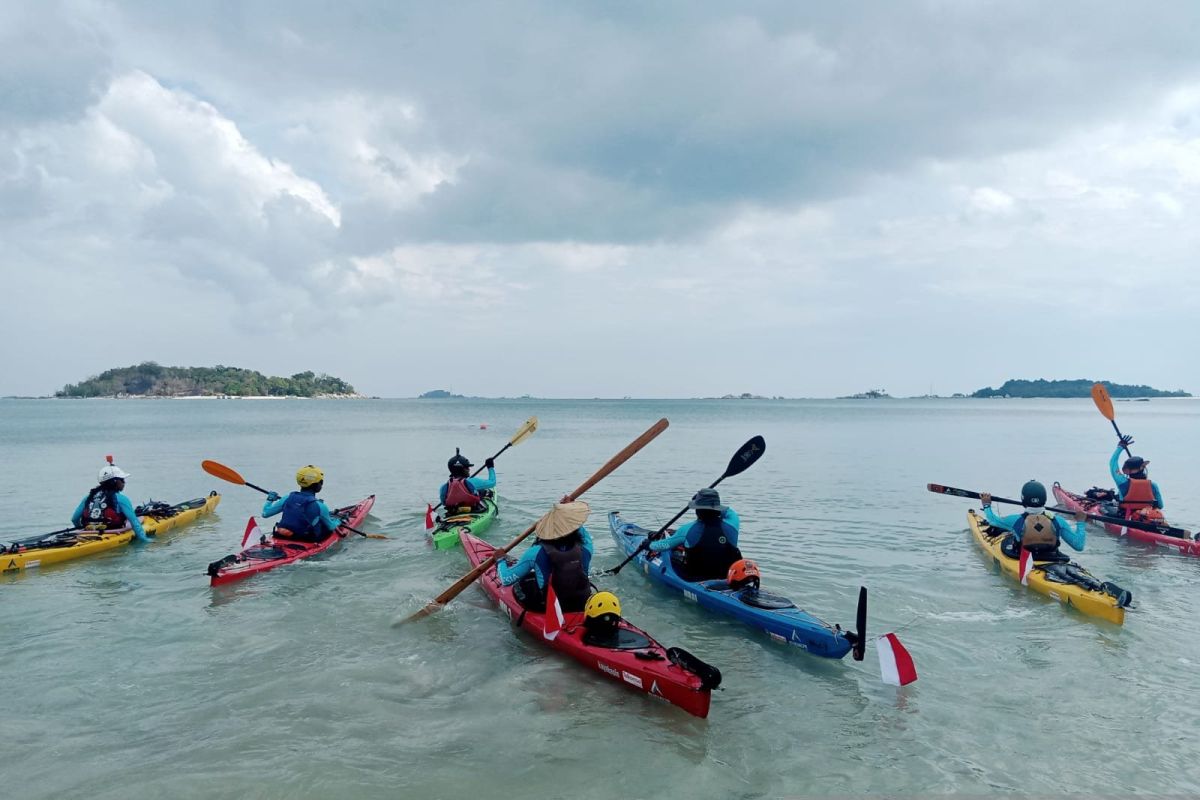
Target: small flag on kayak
<point>1026,566</point>
<point>252,531</point>
<point>554,615</point>
<point>428,517</point>
<point>895,663</point>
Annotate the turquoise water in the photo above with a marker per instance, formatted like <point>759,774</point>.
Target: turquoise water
<point>128,676</point>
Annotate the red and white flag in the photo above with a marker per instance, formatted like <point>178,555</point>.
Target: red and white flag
<point>252,530</point>
<point>428,517</point>
<point>554,614</point>
<point>1025,567</point>
<point>895,663</point>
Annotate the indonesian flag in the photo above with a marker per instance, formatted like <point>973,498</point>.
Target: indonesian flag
<point>554,614</point>
<point>428,517</point>
<point>252,530</point>
<point>1025,567</point>
<point>895,663</point>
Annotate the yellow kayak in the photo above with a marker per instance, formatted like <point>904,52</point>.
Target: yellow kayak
<point>1106,601</point>
<point>72,544</point>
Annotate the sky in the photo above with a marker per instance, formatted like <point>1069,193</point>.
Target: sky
<point>663,199</point>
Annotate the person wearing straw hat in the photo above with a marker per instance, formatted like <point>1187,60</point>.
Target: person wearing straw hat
<point>105,507</point>
<point>709,542</point>
<point>560,558</point>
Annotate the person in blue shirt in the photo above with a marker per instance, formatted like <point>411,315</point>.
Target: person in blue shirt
<point>1035,528</point>
<point>463,490</point>
<point>1139,496</point>
<point>560,558</point>
<point>106,508</point>
<point>305,518</point>
<point>709,542</point>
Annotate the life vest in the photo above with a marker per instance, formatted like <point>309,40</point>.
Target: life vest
<point>301,516</point>
<point>568,570</point>
<point>710,549</point>
<point>458,493</point>
<point>101,511</point>
<point>1139,494</point>
<point>1037,532</point>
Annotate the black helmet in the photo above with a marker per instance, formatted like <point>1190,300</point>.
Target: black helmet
<point>458,463</point>
<point>1033,495</point>
<point>1134,464</point>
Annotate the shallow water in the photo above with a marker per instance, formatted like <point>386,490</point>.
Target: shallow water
<point>128,676</point>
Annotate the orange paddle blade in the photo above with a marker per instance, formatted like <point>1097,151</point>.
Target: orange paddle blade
<point>223,472</point>
<point>1103,401</point>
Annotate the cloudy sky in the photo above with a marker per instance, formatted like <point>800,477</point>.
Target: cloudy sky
<point>603,199</point>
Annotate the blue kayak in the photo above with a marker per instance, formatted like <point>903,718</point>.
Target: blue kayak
<point>776,615</point>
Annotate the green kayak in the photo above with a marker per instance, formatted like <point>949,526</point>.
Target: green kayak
<point>445,535</point>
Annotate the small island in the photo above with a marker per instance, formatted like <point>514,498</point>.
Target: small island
<point>439,394</point>
<point>1072,388</point>
<point>870,394</point>
<point>149,379</point>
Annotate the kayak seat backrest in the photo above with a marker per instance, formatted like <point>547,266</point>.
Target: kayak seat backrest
<point>623,639</point>
<point>265,553</point>
<point>761,599</point>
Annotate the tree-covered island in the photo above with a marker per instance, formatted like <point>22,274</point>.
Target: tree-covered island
<point>152,380</point>
<point>1076,388</point>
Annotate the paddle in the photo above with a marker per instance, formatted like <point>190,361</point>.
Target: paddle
<point>750,452</point>
<point>524,432</point>
<point>1168,530</point>
<point>231,475</point>
<point>466,580</point>
<point>35,539</point>
<point>1105,404</point>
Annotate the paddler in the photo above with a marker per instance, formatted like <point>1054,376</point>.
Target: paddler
<point>1139,496</point>
<point>463,490</point>
<point>561,557</point>
<point>709,542</point>
<point>1035,528</point>
<point>305,518</point>
<point>106,508</point>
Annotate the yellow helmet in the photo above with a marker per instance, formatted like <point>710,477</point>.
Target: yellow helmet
<point>309,476</point>
<point>602,603</point>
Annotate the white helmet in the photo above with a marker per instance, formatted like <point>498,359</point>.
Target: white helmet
<point>111,471</point>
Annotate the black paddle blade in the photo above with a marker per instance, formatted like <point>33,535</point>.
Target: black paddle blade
<point>710,676</point>
<point>742,460</point>
<point>860,626</point>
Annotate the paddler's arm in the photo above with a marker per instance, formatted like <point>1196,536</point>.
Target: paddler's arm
<point>510,575</point>
<point>1114,467</point>
<point>1158,501</point>
<point>586,540</point>
<point>77,517</point>
<point>442,492</point>
<point>998,521</point>
<point>675,539</point>
<point>330,522</point>
<point>485,483</point>
<point>730,516</point>
<point>1074,535</point>
<point>126,507</point>
<point>274,505</point>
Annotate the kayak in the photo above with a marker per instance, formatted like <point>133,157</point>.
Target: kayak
<point>778,616</point>
<point>633,658</point>
<point>1081,502</point>
<point>271,552</point>
<point>67,545</point>
<point>445,535</point>
<point>1104,600</point>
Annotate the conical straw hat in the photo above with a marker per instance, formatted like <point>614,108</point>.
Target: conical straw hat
<point>561,520</point>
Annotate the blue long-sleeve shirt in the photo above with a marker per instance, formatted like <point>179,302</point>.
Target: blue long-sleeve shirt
<point>528,562</point>
<point>126,507</point>
<point>1076,535</point>
<point>1122,480</point>
<point>331,523</point>
<point>680,536</point>
<point>476,485</point>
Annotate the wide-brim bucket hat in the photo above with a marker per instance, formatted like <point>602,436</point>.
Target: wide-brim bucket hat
<point>562,520</point>
<point>707,500</point>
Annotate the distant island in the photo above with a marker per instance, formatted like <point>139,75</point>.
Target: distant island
<point>1074,388</point>
<point>439,394</point>
<point>151,380</point>
<point>869,394</point>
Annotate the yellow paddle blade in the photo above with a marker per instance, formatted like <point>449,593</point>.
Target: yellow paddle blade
<point>525,431</point>
<point>1103,401</point>
<point>223,472</point>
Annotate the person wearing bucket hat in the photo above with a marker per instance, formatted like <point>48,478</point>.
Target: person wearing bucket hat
<point>305,518</point>
<point>560,558</point>
<point>461,489</point>
<point>105,507</point>
<point>709,542</point>
<point>1139,496</point>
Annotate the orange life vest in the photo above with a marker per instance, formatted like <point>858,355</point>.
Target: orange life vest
<point>1138,495</point>
<point>458,493</point>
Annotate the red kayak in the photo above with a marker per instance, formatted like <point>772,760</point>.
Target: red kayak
<point>632,657</point>
<point>1096,505</point>
<point>272,552</point>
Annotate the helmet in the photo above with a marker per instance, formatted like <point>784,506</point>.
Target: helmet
<point>309,476</point>
<point>458,463</point>
<point>1134,464</point>
<point>743,573</point>
<point>602,603</point>
<point>1033,495</point>
<point>111,472</point>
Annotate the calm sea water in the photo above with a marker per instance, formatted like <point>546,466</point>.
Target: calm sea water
<point>127,676</point>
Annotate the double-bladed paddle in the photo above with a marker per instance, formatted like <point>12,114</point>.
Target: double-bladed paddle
<point>1168,530</point>
<point>750,452</point>
<point>1104,403</point>
<point>218,470</point>
<point>523,433</point>
<point>466,580</point>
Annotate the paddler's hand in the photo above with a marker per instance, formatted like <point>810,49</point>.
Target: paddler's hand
<point>272,497</point>
<point>490,463</point>
<point>566,498</point>
<point>1080,516</point>
<point>985,499</point>
<point>1126,440</point>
